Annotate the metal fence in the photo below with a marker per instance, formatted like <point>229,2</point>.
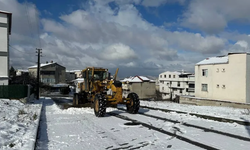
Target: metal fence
<point>13,91</point>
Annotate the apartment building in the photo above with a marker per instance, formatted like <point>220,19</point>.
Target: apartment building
<point>224,78</point>
<point>50,73</point>
<point>5,31</point>
<point>176,83</point>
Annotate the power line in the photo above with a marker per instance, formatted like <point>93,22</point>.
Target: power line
<point>19,50</point>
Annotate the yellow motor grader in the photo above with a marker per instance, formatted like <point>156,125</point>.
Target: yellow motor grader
<point>99,89</point>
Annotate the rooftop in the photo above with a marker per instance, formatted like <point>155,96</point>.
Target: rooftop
<point>214,60</point>
<point>137,79</point>
<point>41,65</point>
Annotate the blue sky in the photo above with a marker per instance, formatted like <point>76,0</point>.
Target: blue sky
<point>141,37</point>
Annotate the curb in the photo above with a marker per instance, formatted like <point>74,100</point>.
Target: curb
<point>35,133</point>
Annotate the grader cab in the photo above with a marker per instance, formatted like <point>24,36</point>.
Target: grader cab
<point>99,89</point>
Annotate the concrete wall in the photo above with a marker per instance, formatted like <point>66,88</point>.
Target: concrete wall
<point>144,90</point>
<point>4,54</point>
<point>211,102</point>
<point>248,79</point>
<point>225,81</point>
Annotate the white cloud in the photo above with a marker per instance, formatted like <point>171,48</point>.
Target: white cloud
<point>118,52</point>
<point>100,36</point>
<point>212,16</point>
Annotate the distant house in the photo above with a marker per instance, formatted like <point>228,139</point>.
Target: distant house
<point>141,85</point>
<point>70,76</point>
<point>176,83</point>
<point>5,31</point>
<point>78,73</point>
<point>224,78</point>
<point>50,73</point>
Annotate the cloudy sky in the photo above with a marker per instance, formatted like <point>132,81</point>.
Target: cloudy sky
<point>141,37</point>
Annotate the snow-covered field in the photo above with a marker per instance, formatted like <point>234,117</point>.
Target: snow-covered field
<point>78,128</point>
<point>18,124</point>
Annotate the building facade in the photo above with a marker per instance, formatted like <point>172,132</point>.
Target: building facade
<point>142,86</point>
<point>172,84</point>
<point>224,78</point>
<point>5,31</point>
<point>70,76</point>
<point>50,73</point>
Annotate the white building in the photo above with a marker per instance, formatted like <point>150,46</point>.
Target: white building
<point>224,78</point>
<point>5,31</point>
<point>176,83</point>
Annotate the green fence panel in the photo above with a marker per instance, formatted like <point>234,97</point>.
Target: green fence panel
<point>13,91</point>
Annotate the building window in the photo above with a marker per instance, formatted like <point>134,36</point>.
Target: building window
<point>162,88</point>
<point>170,76</point>
<point>223,70</point>
<point>204,72</point>
<point>203,87</point>
<point>186,90</point>
<point>160,76</point>
<point>170,82</point>
<point>165,76</point>
<point>217,70</point>
<point>218,85</point>
<point>173,76</point>
<point>180,91</point>
<point>178,84</point>
<point>223,86</point>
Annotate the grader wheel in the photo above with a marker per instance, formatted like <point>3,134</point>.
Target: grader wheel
<point>99,105</point>
<point>134,105</point>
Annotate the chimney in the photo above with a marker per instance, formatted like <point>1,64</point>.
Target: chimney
<point>47,62</point>
<point>51,61</point>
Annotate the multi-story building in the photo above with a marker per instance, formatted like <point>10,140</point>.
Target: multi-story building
<point>224,78</point>
<point>50,73</point>
<point>176,83</point>
<point>70,76</point>
<point>142,86</point>
<point>5,31</point>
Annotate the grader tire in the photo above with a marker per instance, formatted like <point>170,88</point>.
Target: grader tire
<point>134,105</point>
<point>99,105</point>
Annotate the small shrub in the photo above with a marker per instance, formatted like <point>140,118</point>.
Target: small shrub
<point>21,112</point>
<point>34,116</point>
<point>11,145</point>
<point>246,112</point>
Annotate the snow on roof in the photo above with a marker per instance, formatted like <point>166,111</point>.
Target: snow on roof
<point>41,65</point>
<point>137,79</point>
<point>214,60</point>
<point>173,72</point>
<point>22,70</point>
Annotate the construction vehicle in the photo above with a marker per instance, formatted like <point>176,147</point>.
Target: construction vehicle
<point>99,89</point>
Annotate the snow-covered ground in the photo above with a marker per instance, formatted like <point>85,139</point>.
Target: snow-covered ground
<point>18,124</point>
<point>78,128</point>
<point>225,112</point>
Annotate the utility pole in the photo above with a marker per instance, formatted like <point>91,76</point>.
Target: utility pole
<point>38,73</point>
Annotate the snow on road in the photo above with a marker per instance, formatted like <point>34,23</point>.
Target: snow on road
<point>78,128</point>
<point>18,123</point>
